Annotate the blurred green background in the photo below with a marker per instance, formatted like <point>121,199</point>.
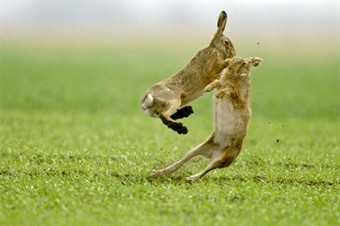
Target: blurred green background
<point>37,75</point>
<point>93,57</point>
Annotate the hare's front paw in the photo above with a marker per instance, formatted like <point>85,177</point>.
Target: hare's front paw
<point>226,92</point>
<point>220,94</point>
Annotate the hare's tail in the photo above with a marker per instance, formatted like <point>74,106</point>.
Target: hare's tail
<point>147,101</point>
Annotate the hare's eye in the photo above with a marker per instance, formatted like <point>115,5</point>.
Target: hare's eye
<point>226,42</point>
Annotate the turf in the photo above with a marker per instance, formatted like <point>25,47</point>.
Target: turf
<point>75,148</point>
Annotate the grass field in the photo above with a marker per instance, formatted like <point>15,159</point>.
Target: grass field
<point>75,148</point>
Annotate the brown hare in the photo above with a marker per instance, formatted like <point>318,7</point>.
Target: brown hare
<point>164,98</point>
<point>232,113</point>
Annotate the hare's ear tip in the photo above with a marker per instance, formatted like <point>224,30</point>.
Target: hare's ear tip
<point>222,21</point>
<point>257,61</point>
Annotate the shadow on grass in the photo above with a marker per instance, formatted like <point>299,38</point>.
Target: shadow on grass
<point>131,179</point>
<point>126,178</point>
<point>285,181</point>
<point>48,168</point>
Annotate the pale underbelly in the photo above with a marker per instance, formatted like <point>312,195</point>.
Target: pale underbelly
<point>227,121</point>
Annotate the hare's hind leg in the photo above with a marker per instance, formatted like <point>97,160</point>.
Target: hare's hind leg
<point>177,126</point>
<point>221,160</point>
<point>172,124</point>
<point>202,149</point>
<point>182,113</point>
<point>173,104</point>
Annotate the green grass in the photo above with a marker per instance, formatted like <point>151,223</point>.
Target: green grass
<point>75,148</point>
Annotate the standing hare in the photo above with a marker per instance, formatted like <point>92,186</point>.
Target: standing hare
<point>164,98</point>
<point>232,113</point>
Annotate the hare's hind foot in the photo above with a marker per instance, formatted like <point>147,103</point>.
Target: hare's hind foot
<point>176,126</point>
<point>193,178</point>
<point>182,113</point>
<point>155,173</point>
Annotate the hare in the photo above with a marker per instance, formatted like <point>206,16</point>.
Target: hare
<point>232,113</point>
<point>164,98</point>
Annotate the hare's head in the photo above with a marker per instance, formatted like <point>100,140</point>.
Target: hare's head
<point>220,41</point>
<point>238,66</point>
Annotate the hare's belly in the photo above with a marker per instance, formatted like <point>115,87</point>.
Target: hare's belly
<point>188,97</point>
<point>226,120</point>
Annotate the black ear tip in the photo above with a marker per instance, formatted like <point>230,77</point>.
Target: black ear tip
<point>224,13</point>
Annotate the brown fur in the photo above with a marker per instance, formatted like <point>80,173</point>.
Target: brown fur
<point>164,98</point>
<point>232,114</point>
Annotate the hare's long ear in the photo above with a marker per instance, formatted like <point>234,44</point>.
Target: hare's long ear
<point>222,22</point>
<point>254,61</point>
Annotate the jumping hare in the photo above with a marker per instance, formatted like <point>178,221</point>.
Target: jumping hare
<point>232,113</point>
<point>164,98</point>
